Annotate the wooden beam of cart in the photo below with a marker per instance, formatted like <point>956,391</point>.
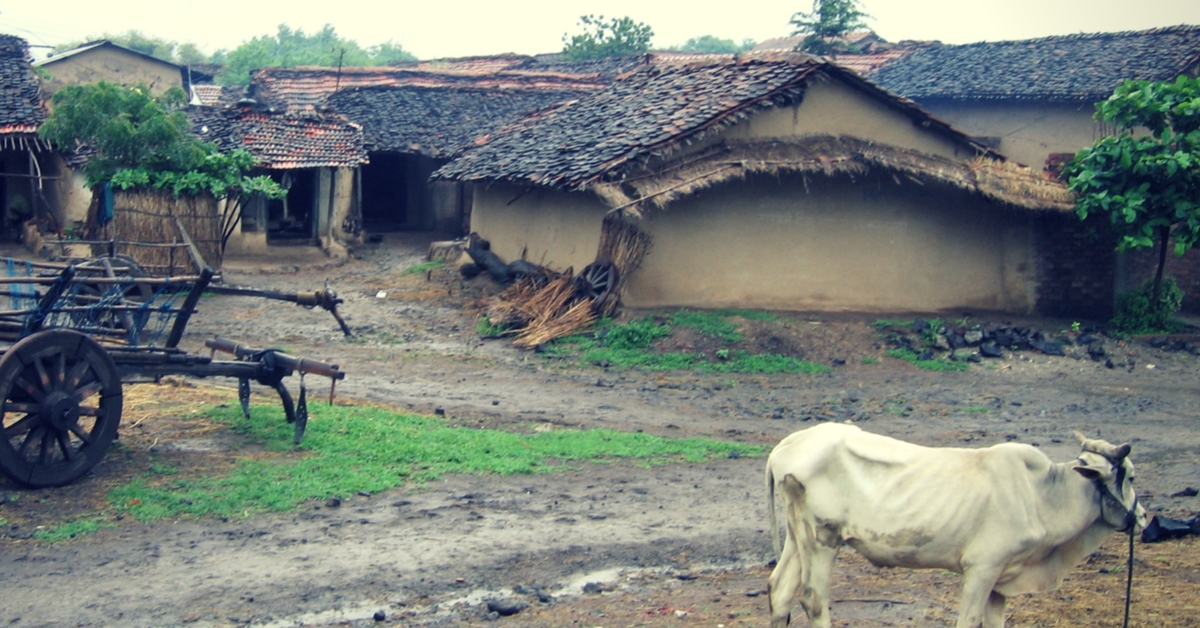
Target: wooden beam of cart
<point>141,281</point>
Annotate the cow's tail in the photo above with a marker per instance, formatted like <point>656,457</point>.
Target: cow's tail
<point>775,539</point>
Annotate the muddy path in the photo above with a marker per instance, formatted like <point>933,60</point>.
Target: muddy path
<point>604,545</point>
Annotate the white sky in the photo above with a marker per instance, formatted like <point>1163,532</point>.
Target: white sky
<point>452,28</point>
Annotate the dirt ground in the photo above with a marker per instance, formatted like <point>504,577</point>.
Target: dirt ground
<point>612,546</point>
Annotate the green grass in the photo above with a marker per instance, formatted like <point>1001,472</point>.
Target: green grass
<point>870,359</point>
<point>423,267</point>
<point>929,365</point>
<point>348,449</point>
<point>884,323</point>
<point>976,409</point>
<point>72,529</point>
<point>630,345</point>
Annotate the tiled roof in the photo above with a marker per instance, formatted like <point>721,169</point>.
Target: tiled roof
<point>214,95</point>
<point>306,88</point>
<point>651,113</point>
<point>20,104</point>
<point>1070,67</point>
<point>657,106</point>
<point>438,121</point>
<point>282,141</point>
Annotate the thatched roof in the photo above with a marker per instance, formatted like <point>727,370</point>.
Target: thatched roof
<point>1000,181</point>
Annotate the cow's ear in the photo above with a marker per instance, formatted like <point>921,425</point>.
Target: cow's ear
<point>1122,452</point>
<point>1088,472</point>
<point>1080,437</point>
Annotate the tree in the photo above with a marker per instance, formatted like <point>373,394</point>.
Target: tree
<point>827,24</point>
<point>713,44</point>
<point>1146,185</point>
<point>290,48</point>
<point>614,38</point>
<point>139,141</point>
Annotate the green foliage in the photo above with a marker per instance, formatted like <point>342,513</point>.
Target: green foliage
<point>870,359</point>
<point>348,449</point>
<point>613,38</point>
<point>1138,313</point>
<point>289,48</point>
<point>826,25</point>
<point>1147,187</point>
<point>635,335</point>
<point>713,44</point>
<point>485,329</point>
<point>884,323</point>
<point>929,365</point>
<point>142,141</point>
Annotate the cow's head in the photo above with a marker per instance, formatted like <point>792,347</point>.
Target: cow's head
<point>1108,466</point>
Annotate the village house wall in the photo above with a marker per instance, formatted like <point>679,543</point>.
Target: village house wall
<point>110,64</point>
<point>556,229</point>
<point>1028,132</point>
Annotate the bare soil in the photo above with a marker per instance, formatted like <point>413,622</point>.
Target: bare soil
<point>615,545</point>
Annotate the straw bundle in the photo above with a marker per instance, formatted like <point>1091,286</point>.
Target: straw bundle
<point>147,217</point>
<point>625,245</point>
<point>537,311</point>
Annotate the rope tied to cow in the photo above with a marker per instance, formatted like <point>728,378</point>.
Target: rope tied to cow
<point>1129,573</point>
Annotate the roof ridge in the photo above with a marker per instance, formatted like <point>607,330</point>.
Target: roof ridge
<point>1160,30</point>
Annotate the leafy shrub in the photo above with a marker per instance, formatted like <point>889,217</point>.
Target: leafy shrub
<point>1137,313</point>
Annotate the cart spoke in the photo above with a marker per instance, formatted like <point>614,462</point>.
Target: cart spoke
<point>22,425</point>
<point>76,375</point>
<point>82,393</point>
<point>21,407</point>
<point>47,453</point>
<point>30,389</point>
<point>83,434</point>
<point>90,411</point>
<point>43,376</point>
<point>59,374</point>
<point>32,437</point>
<point>64,444</point>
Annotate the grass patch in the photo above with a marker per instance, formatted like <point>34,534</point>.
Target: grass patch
<point>72,529</point>
<point>423,267</point>
<point>870,359</point>
<point>936,364</point>
<point>349,449</point>
<point>630,345</point>
<point>884,323</point>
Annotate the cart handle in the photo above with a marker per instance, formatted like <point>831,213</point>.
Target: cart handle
<point>302,365</point>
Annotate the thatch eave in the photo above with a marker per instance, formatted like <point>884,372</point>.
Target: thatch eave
<point>999,181</point>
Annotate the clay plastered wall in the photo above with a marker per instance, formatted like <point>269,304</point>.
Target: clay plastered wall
<point>554,229</point>
<point>830,107</point>
<point>832,245</point>
<point>1028,132</point>
<point>110,64</point>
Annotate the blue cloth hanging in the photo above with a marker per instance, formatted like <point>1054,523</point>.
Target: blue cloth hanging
<point>105,215</point>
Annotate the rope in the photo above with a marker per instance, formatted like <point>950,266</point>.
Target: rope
<point>1129,578</point>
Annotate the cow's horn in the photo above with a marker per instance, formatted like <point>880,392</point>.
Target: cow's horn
<point>1080,437</point>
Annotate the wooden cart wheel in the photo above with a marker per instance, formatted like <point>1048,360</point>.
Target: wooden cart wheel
<point>596,282</point>
<point>61,395</point>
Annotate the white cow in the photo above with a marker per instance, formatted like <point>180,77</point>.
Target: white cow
<point>1005,517</point>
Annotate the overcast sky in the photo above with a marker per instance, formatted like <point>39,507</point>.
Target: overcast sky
<point>451,28</point>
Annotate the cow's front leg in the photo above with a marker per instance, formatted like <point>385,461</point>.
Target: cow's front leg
<point>993,616</point>
<point>976,597</point>
<point>784,580</point>
<point>818,584</point>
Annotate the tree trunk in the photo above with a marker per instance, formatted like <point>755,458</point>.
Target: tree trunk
<point>1164,237</point>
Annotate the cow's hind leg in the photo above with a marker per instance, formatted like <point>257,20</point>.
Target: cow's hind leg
<point>993,616</point>
<point>979,602</point>
<point>784,581</point>
<point>818,580</point>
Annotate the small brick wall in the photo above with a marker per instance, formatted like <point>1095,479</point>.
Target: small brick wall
<point>1141,264</point>
<point>1076,267</point>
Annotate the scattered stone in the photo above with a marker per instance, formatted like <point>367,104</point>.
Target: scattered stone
<point>990,350</point>
<point>1109,363</point>
<point>379,616</point>
<point>506,608</point>
<point>919,325</point>
<point>1096,350</point>
<point>364,493</point>
<point>926,355</point>
<point>1190,491</point>
<point>685,576</point>
<point>839,362</point>
<point>974,358</point>
<point>333,502</point>
<point>440,411</point>
<point>1048,347</point>
<point>973,337</point>
<point>593,588</point>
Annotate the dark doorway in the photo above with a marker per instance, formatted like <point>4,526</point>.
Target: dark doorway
<point>385,194</point>
<point>290,220</point>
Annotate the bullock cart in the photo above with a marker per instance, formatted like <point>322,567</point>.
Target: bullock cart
<point>71,335</point>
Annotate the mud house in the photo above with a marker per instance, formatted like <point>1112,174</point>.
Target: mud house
<point>27,165</point>
<point>415,117</point>
<point>771,181</point>
<point>1033,100</point>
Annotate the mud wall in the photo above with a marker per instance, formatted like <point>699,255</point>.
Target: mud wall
<point>550,228</point>
<point>1025,132</point>
<point>110,64</point>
